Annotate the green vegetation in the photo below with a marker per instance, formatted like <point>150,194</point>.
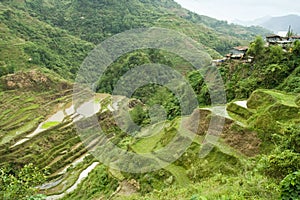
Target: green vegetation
<point>290,186</point>
<point>83,20</point>
<point>99,183</point>
<point>276,119</point>
<point>27,42</point>
<point>243,186</point>
<point>20,183</point>
<point>49,125</point>
<point>256,48</point>
<point>44,42</point>
<point>40,30</point>
<point>272,68</point>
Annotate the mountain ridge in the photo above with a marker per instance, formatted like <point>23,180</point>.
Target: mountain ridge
<point>282,23</point>
<point>93,21</point>
<point>275,24</point>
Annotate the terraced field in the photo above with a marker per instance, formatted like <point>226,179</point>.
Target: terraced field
<point>38,126</point>
<point>52,143</point>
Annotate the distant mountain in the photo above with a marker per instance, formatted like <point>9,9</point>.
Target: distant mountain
<point>255,22</point>
<point>282,23</point>
<point>275,24</point>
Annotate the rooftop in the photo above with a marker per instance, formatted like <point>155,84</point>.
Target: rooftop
<point>273,36</point>
<point>241,48</point>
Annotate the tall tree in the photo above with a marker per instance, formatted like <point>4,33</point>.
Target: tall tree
<point>256,48</point>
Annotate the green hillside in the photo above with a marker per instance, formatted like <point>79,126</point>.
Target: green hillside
<point>28,43</point>
<point>43,154</point>
<point>46,33</point>
<point>94,21</point>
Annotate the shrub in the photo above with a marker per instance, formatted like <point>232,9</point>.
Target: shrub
<point>20,183</point>
<point>291,140</point>
<point>290,187</point>
<point>297,101</point>
<point>280,164</point>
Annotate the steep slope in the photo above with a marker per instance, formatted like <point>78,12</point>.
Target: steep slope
<point>66,155</point>
<point>37,117</point>
<point>26,99</point>
<point>27,42</point>
<point>227,172</point>
<point>58,147</point>
<point>96,20</point>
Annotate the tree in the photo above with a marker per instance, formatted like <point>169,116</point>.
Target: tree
<point>290,186</point>
<point>274,74</point>
<point>138,114</point>
<point>20,184</point>
<point>290,32</point>
<point>296,48</point>
<point>256,48</point>
<point>276,55</point>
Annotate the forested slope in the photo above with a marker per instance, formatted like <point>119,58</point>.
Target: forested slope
<point>44,42</point>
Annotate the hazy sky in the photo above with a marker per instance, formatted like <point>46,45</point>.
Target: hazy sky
<point>242,9</point>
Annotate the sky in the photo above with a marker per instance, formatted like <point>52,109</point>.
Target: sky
<point>245,10</point>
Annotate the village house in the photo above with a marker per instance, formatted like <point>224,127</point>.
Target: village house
<point>284,42</point>
<point>273,39</point>
<point>237,52</point>
<point>294,38</point>
<point>240,50</point>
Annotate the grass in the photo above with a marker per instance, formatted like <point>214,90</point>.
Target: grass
<point>117,174</point>
<point>49,147</point>
<point>179,174</point>
<point>239,113</point>
<point>273,111</point>
<point>56,151</point>
<point>17,122</point>
<point>264,97</point>
<point>5,112</point>
<point>147,144</point>
<point>27,127</point>
<point>47,125</point>
<point>219,187</point>
<point>286,99</point>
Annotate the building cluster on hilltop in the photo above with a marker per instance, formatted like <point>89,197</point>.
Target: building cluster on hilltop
<point>239,52</point>
<point>282,41</point>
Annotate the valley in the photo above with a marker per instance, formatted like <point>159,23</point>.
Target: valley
<point>61,140</point>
